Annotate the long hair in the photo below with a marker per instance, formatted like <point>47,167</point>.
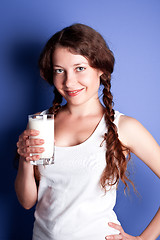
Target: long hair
<point>83,40</point>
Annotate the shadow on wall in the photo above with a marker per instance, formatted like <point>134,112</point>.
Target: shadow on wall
<point>24,60</point>
<point>21,81</point>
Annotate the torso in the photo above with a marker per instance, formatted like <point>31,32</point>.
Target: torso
<point>71,202</point>
<point>72,130</point>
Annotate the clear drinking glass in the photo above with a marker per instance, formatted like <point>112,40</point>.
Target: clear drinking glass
<point>45,125</point>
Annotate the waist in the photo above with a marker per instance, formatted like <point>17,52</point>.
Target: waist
<point>75,227</point>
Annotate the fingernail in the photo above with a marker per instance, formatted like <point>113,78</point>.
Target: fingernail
<point>41,141</point>
<point>41,149</point>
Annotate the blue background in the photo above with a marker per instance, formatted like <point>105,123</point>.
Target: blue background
<point>132,30</point>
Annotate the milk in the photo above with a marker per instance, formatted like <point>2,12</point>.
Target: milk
<point>45,125</point>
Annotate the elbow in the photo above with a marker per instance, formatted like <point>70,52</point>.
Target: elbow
<point>27,204</point>
<point>27,199</point>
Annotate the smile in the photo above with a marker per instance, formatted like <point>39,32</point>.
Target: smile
<point>74,92</point>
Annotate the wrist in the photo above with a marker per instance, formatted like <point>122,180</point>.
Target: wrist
<point>25,167</point>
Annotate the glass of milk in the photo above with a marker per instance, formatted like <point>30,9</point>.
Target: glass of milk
<point>45,125</point>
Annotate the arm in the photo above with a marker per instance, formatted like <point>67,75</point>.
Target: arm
<point>25,184</point>
<point>153,229</point>
<point>142,144</point>
<point>135,137</point>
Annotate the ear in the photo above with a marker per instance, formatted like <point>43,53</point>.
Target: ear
<point>100,73</point>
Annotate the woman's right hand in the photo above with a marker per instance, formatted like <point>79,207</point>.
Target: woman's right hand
<point>27,146</point>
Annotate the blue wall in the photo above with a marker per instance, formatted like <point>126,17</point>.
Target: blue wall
<point>131,29</point>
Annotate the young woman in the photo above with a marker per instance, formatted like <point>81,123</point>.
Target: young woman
<point>76,196</point>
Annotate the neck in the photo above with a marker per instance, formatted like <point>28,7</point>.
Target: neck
<point>82,110</point>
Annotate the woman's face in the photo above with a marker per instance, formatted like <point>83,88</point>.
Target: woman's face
<point>73,77</point>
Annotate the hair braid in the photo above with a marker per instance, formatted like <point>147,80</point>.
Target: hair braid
<point>116,162</point>
<point>56,102</point>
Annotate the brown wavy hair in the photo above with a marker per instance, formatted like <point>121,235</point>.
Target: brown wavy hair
<point>83,40</point>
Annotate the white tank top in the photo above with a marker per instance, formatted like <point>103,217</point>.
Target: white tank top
<point>71,203</point>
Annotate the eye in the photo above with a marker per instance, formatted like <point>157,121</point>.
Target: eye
<point>79,69</point>
<point>58,71</point>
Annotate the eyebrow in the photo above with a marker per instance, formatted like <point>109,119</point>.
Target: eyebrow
<point>80,63</point>
<point>57,65</point>
<point>76,64</point>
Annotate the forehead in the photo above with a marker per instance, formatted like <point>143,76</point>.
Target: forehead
<point>63,56</point>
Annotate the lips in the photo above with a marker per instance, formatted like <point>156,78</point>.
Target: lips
<point>74,92</point>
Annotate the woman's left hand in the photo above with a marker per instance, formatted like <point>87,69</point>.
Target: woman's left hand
<point>122,235</point>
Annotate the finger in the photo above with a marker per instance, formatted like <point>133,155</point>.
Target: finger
<point>31,150</point>
<point>32,158</point>
<point>33,142</point>
<point>30,142</point>
<point>27,133</point>
<point>120,229</point>
<point>116,226</point>
<point>114,237</point>
<point>25,152</point>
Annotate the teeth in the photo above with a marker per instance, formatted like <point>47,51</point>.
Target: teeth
<point>74,92</point>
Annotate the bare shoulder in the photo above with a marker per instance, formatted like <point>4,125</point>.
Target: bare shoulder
<point>127,123</point>
<point>137,138</point>
<point>130,130</point>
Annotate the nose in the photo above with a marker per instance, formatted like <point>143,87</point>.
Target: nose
<point>70,80</point>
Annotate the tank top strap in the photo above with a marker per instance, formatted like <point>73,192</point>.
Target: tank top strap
<point>44,112</point>
<point>116,117</point>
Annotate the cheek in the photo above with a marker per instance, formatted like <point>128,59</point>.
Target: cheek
<point>95,79</point>
<point>91,78</point>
